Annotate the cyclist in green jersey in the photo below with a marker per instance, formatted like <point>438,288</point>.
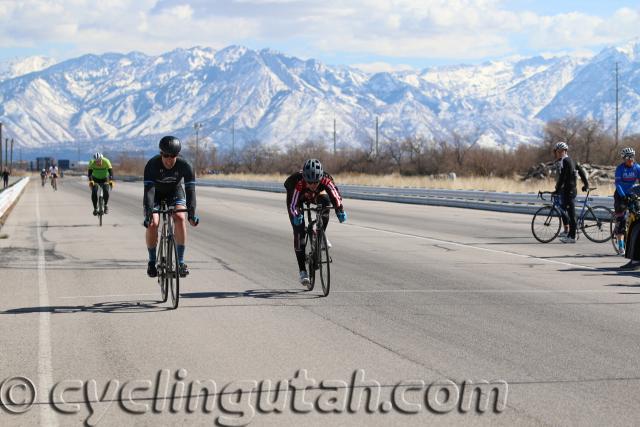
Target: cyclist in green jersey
<point>100,173</point>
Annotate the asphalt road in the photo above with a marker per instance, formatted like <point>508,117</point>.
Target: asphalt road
<point>427,297</point>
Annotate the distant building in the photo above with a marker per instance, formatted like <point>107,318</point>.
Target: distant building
<point>44,162</point>
<point>63,164</point>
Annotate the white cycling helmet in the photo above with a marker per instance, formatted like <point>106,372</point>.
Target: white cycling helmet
<point>561,146</point>
<point>97,156</point>
<point>628,153</point>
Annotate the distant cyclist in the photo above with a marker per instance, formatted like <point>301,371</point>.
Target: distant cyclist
<point>53,174</point>
<point>43,176</point>
<point>627,175</point>
<point>311,184</point>
<point>162,176</point>
<point>100,173</point>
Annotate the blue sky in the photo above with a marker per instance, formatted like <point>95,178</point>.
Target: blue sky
<point>372,34</point>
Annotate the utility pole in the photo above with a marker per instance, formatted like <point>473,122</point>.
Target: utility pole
<point>197,127</point>
<point>376,137</point>
<point>334,136</point>
<point>6,152</point>
<point>11,162</point>
<point>617,108</point>
<point>233,135</point>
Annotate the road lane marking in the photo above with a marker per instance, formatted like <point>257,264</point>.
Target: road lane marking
<point>569,291</point>
<point>45,377</point>
<point>464,245</point>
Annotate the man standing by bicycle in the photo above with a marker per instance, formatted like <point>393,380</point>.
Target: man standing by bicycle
<point>162,176</point>
<point>100,174</point>
<point>312,184</point>
<point>567,190</point>
<point>627,175</point>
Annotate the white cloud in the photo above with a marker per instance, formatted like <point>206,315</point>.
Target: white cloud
<point>443,29</point>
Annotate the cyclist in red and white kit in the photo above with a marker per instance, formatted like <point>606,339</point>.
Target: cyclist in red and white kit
<point>311,184</point>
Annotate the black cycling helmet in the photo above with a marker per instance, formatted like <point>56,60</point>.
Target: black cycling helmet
<point>312,170</point>
<point>170,145</point>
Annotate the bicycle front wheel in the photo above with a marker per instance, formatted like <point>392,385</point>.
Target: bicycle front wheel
<point>324,264</point>
<point>173,275</point>
<point>545,224</point>
<point>162,269</point>
<point>311,259</point>
<point>597,224</point>
<point>100,209</point>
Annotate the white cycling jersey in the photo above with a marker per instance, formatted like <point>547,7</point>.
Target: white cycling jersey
<point>53,170</point>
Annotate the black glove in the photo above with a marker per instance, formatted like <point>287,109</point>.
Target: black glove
<point>147,218</point>
<point>585,188</point>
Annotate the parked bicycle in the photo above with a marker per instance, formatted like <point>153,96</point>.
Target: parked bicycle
<point>318,257</point>
<point>596,222</point>
<point>167,258</point>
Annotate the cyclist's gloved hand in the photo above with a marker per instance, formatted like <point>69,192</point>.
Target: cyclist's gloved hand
<point>342,216</point>
<point>147,221</point>
<point>111,184</point>
<point>298,219</point>
<point>585,188</point>
<point>91,184</point>
<point>194,219</point>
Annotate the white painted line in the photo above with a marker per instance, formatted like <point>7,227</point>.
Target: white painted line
<point>506,291</point>
<point>45,377</point>
<point>478,248</point>
<point>109,296</point>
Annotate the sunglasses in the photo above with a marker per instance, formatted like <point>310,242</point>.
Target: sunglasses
<point>166,156</point>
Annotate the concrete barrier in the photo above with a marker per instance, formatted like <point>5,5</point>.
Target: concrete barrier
<point>10,195</point>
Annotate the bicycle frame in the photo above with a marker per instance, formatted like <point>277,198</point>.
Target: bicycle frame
<point>168,274</point>
<point>316,238</point>
<point>555,201</point>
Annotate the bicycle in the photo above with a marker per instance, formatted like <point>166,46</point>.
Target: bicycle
<point>318,257</point>
<point>54,183</point>
<point>631,215</point>
<point>167,258</point>
<point>596,222</point>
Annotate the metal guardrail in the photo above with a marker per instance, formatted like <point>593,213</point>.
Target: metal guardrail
<point>525,203</point>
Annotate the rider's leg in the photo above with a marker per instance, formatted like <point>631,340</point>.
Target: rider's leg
<point>94,196</point>
<point>105,192</point>
<point>619,208</point>
<point>570,201</point>
<point>180,230</point>
<point>151,236</point>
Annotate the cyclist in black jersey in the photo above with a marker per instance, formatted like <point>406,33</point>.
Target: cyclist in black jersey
<point>567,190</point>
<point>162,176</point>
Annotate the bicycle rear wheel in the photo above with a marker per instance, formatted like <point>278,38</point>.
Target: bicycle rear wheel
<point>545,224</point>
<point>173,272</point>
<point>324,264</point>
<point>162,269</point>
<point>597,224</point>
<point>311,259</point>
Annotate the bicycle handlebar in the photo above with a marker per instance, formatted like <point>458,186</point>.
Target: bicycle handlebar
<point>316,208</point>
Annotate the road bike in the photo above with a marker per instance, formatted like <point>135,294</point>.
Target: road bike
<point>167,256</point>
<point>54,183</point>
<point>317,257</point>
<point>631,215</point>
<point>596,222</point>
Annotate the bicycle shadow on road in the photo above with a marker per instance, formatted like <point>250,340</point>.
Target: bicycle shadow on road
<point>100,307</point>
<point>283,294</point>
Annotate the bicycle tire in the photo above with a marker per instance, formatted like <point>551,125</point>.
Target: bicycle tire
<point>173,273</point>
<point>597,224</point>
<point>311,259</point>
<point>545,224</point>
<point>161,266</point>
<point>100,209</point>
<point>324,264</point>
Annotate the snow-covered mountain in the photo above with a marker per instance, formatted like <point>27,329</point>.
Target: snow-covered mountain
<point>127,100</point>
<point>20,66</point>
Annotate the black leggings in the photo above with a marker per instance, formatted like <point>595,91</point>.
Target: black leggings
<point>568,203</point>
<point>300,232</point>
<point>94,192</point>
